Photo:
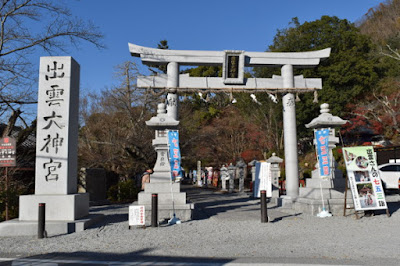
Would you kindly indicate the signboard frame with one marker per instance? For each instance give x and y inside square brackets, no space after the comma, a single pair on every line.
[263,179]
[8,152]
[364,180]
[137,214]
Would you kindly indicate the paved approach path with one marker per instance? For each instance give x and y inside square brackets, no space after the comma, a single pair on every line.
[210,202]
[226,230]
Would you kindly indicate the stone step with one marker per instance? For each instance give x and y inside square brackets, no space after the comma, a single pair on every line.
[162,187]
[145,198]
[315,193]
[313,206]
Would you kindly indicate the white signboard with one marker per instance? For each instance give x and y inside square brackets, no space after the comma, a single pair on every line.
[364,179]
[136,215]
[263,180]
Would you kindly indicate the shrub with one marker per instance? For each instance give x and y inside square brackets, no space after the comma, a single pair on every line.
[123,191]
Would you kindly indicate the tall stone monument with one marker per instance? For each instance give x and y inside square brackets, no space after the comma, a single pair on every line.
[233,63]
[56,153]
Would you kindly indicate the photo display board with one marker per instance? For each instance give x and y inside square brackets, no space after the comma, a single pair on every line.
[365,182]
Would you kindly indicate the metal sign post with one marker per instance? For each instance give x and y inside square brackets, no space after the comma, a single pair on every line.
[7,159]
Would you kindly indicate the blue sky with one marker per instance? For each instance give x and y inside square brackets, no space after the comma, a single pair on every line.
[191,25]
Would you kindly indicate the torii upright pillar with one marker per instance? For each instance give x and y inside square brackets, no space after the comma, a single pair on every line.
[290,134]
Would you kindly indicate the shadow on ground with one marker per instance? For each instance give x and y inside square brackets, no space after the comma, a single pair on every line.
[100,258]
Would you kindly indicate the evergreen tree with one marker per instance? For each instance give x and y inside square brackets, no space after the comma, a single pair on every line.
[347,75]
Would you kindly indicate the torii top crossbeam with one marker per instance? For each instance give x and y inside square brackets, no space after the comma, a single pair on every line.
[152,56]
[233,63]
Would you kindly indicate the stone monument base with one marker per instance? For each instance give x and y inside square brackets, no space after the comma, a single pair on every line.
[166,206]
[17,227]
[58,207]
[64,214]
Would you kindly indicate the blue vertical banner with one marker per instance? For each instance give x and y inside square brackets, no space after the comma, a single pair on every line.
[322,137]
[174,153]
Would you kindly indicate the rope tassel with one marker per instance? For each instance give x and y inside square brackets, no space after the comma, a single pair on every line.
[315,97]
[298,98]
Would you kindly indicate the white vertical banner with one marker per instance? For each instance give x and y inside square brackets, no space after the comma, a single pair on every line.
[263,179]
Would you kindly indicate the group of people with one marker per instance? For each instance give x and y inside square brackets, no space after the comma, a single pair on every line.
[209,177]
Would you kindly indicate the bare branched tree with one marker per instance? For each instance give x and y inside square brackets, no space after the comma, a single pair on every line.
[28,25]
[382,24]
[114,135]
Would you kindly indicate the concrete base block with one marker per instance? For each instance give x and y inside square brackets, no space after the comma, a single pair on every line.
[167,201]
[287,202]
[310,201]
[314,206]
[17,227]
[328,193]
[58,207]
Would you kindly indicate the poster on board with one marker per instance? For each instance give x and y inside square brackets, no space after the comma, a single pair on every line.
[136,215]
[365,182]
[263,179]
[8,152]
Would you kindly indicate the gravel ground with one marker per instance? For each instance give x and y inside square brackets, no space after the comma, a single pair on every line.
[226,229]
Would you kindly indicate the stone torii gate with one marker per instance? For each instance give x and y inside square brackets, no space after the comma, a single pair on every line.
[232,80]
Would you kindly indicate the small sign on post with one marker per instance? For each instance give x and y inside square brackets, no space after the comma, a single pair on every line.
[8,158]
[263,179]
[8,152]
[136,216]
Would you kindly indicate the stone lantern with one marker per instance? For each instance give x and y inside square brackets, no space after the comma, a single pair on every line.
[170,200]
[241,173]
[224,177]
[276,173]
[327,121]
[253,169]
[329,189]
[161,123]
[231,171]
